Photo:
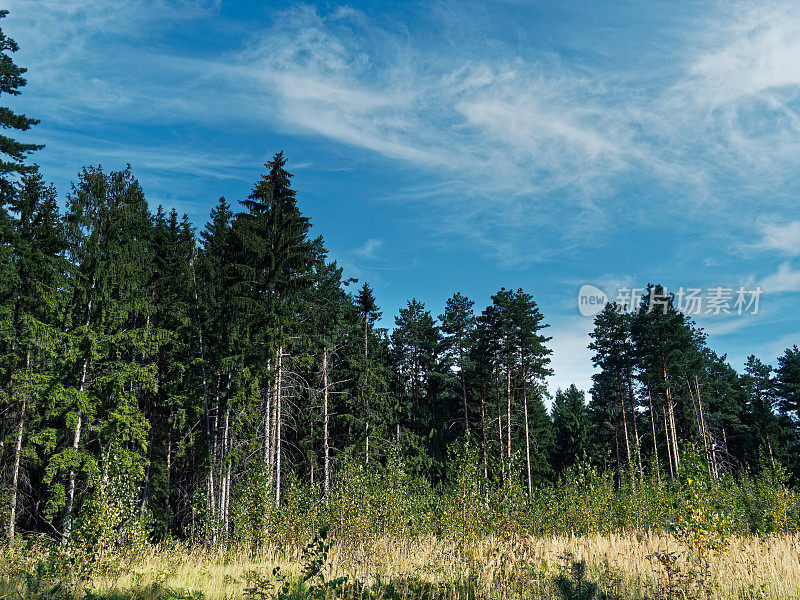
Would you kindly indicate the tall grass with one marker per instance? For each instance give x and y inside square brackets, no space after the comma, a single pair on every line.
[590,534]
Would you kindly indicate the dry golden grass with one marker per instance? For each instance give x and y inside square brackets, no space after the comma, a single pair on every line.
[623,564]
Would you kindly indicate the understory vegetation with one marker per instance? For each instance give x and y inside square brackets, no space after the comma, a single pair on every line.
[386,533]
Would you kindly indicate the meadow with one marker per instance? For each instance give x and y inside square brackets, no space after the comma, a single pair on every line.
[387,534]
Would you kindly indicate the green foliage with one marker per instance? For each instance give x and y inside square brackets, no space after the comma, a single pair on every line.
[575,586]
[110,518]
[252,511]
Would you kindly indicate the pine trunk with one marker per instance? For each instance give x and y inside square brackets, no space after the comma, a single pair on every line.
[655,440]
[527,437]
[463,386]
[500,422]
[624,420]
[76,440]
[325,441]
[483,436]
[632,402]
[278,426]
[669,442]
[508,406]
[12,520]
[366,387]
[671,414]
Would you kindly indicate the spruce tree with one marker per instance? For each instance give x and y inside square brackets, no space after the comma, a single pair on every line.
[415,345]
[112,338]
[14,153]
[369,313]
[32,342]
[787,381]
[273,268]
[458,325]
[570,428]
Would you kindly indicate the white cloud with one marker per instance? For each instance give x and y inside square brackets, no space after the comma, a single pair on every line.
[785,279]
[735,109]
[505,141]
[369,251]
[783,237]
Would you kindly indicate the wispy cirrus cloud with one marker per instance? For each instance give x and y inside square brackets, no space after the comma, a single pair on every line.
[785,279]
[783,237]
[511,139]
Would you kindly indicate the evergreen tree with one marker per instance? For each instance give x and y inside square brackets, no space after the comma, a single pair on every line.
[458,325]
[369,313]
[765,436]
[570,428]
[32,342]
[213,280]
[787,390]
[175,406]
[273,268]
[532,358]
[668,350]
[416,348]
[613,355]
[718,393]
[787,381]
[14,152]
[113,340]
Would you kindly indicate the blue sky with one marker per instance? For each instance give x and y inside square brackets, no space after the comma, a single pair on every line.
[459,146]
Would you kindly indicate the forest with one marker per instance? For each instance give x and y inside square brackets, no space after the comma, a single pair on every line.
[223,390]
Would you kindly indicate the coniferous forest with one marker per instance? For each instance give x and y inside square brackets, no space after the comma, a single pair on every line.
[224,389]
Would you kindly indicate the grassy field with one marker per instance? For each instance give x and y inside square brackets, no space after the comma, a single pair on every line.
[384,535]
[626,566]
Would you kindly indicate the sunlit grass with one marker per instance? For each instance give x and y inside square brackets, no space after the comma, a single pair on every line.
[624,565]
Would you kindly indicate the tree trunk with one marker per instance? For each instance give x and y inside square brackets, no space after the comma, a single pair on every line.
[500,422]
[225,475]
[12,520]
[483,434]
[669,442]
[215,492]
[671,412]
[267,413]
[414,400]
[527,434]
[325,441]
[146,484]
[169,467]
[655,441]
[206,413]
[769,448]
[701,426]
[508,406]
[632,402]
[706,434]
[76,440]
[279,402]
[366,387]
[276,385]
[463,386]
[624,420]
